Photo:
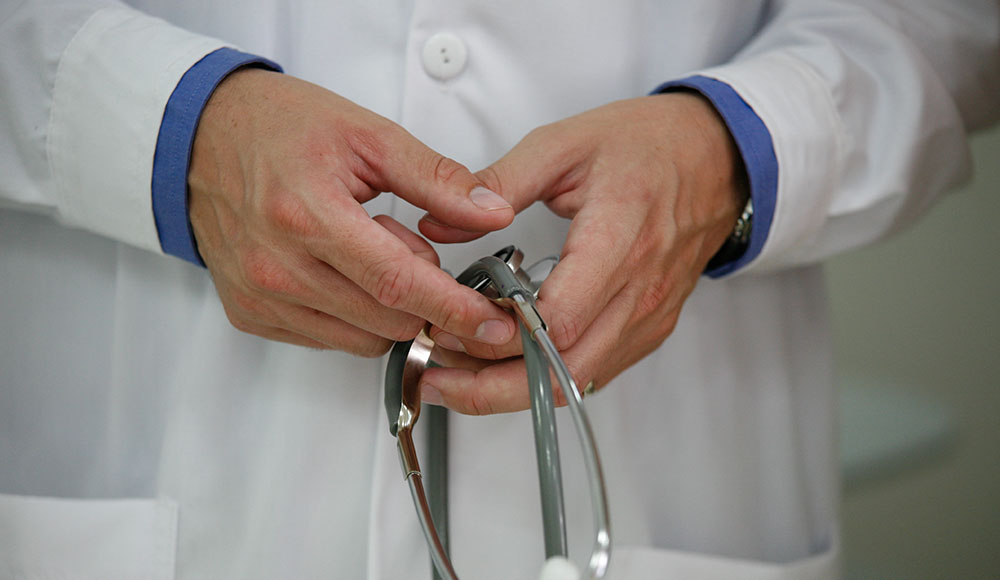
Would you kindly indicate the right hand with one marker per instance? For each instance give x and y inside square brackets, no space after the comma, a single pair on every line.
[279,170]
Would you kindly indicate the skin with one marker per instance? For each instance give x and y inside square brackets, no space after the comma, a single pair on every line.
[653,187]
[279,170]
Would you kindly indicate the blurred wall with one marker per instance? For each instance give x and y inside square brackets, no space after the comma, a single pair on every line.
[922,310]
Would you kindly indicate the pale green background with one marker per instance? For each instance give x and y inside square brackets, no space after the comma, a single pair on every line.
[921,311]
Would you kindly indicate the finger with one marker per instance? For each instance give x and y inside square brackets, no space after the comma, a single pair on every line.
[592,269]
[274,277]
[447,341]
[499,388]
[588,275]
[247,322]
[458,360]
[415,243]
[543,165]
[314,284]
[385,267]
[281,335]
[333,332]
[502,387]
[445,234]
[263,316]
[607,348]
[641,341]
[445,188]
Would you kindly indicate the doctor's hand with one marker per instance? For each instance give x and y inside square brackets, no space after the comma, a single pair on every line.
[279,171]
[653,186]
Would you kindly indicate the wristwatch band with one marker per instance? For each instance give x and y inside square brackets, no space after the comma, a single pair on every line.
[737,242]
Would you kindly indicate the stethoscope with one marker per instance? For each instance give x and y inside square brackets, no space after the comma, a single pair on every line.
[500,278]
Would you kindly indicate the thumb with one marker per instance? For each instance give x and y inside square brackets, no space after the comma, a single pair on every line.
[541,166]
[537,169]
[449,192]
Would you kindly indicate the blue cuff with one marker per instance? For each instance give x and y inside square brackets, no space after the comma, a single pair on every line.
[175,141]
[757,148]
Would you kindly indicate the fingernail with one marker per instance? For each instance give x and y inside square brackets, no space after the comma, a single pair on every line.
[487,200]
[493,332]
[449,342]
[430,395]
[430,219]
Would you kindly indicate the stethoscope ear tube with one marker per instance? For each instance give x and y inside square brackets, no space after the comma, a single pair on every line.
[501,278]
[546,449]
[600,555]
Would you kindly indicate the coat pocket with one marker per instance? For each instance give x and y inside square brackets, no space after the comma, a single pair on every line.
[643,563]
[87,539]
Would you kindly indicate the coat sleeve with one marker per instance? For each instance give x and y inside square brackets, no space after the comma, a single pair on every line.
[869,105]
[83,86]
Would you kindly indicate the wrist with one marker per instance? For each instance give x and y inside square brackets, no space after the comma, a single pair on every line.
[757,159]
[711,163]
[175,142]
[227,113]
[737,241]
[738,205]
[721,164]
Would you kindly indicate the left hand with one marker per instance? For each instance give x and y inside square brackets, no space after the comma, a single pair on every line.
[653,186]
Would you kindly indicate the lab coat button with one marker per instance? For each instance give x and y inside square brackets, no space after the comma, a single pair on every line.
[444,56]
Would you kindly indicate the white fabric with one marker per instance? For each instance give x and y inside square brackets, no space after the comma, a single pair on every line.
[120,376]
[120,539]
[107,97]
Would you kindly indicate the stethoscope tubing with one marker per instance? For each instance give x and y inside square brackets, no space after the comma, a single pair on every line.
[540,354]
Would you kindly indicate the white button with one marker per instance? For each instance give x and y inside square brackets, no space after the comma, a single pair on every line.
[444,56]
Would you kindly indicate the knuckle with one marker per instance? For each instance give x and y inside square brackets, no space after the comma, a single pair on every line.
[238,321]
[263,273]
[666,327]
[373,348]
[454,316]
[554,136]
[491,352]
[248,306]
[479,403]
[368,140]
[653,296]
[389,281]
[406,329]
[288,213]
[445,169]
[491,179]
[564,330]
[558,397]
[365,139]
[651,246]
[542,132]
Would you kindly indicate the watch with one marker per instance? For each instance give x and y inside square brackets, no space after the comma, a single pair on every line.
[737,242]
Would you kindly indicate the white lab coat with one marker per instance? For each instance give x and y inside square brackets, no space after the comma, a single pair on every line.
[143,437]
